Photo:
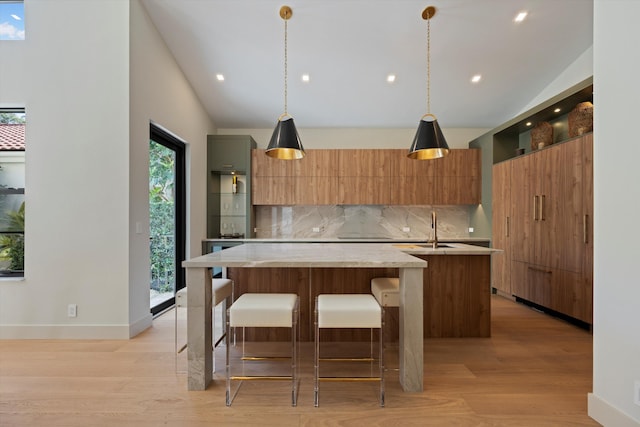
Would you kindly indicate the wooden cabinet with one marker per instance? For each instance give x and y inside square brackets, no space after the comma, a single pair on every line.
[459,178]
[500,223]
[457,296]
[451,180]
[363,176]
[549,227]
[366,177]
[311,180]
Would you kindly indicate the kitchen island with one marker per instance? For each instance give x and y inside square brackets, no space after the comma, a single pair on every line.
[308,256]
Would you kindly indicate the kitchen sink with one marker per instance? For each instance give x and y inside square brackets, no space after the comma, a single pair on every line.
[430,245]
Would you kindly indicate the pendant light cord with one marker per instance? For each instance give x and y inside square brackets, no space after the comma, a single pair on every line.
[428,64]
[285,67]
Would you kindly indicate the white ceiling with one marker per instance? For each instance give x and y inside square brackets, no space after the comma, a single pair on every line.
[349,46]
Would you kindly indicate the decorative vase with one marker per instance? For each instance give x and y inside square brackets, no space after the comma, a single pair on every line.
[581,119]
[541,135]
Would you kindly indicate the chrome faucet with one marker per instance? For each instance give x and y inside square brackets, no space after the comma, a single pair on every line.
[434,227]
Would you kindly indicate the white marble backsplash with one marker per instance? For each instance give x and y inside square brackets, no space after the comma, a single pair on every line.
[360,221]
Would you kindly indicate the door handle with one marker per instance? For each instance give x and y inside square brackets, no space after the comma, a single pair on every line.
[585,228]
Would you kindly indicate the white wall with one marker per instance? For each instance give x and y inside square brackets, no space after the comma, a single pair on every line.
[579,70]
[86,164]
[616,333]
[76,211]
[160,93]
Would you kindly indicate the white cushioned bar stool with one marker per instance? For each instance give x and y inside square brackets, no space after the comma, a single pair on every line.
[386,290]
[264,310]
[221,291]
[348,311]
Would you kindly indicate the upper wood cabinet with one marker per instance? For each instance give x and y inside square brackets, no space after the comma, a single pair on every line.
[452,180]
[362,176]
[311,180]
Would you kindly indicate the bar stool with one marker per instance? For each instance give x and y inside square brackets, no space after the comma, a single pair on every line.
[348,311]
[221,290]
[272,310]
[386,291]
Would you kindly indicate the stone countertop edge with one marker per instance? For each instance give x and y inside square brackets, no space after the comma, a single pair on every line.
[328,255]
[348,240]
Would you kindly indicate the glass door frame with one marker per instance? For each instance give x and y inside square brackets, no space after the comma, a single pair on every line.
[166,139]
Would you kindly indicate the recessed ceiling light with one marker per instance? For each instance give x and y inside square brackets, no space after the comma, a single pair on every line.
[557,110]
[220,77]
[528,123]
[476,78]
[520,16]
[306,78]
[391,78]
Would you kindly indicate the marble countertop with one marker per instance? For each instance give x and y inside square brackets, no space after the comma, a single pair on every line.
[348,240]
[308,255]
[394,255]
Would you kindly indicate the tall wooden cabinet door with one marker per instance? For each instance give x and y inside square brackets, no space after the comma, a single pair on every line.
[522,221]
[500,225]
[550,206]
[569,232]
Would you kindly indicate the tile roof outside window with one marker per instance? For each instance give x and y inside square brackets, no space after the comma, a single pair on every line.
[12,137]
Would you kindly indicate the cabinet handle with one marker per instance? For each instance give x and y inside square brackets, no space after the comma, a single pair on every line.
[539,269]
[542,198]
[585,228]
[507,227]
[535,208]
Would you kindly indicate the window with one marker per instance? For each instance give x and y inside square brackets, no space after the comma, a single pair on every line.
[11,20]
[12,207]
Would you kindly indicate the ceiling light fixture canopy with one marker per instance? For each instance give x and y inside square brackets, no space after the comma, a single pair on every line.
[285,142]
[429,142]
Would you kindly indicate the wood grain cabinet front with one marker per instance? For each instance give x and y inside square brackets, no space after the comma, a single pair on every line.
[367,177]
[550,227]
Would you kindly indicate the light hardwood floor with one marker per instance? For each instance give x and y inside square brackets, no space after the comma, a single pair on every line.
[533,371]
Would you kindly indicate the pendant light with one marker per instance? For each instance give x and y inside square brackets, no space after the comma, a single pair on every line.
[285,142]
[429,142]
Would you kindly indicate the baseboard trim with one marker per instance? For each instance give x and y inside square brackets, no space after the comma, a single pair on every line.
[141,325]
[70,332]
[607,415]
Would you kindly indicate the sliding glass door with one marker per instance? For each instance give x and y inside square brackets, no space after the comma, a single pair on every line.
[167,209]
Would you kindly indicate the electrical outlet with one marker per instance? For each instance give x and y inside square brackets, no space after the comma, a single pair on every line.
[406,229]
[72,310]
[636,393]
[316,229]
[470,229]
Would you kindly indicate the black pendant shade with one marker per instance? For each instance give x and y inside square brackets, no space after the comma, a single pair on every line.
[285,143]
[429,142]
